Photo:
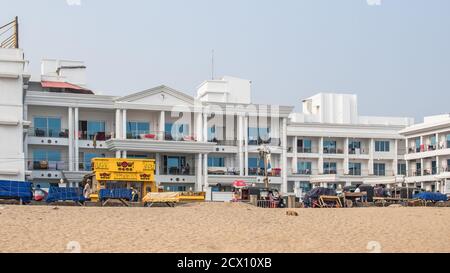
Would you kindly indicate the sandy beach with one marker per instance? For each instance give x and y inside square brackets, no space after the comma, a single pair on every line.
[223,227]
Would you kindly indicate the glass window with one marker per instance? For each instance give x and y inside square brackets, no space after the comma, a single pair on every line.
[176,165]
[448,141]
[329,146]
[176,131]
[88,160]
[379,169]
[257,135]
[354,146]
[354,168]
[382,146]
[433,140]
[329,168]
[212,133]
[135,129]
[253,136]
[94,127]
[304,167]
[304,145]
[175,188]
[47,126]
[216,161]
[52,158]
[401,168]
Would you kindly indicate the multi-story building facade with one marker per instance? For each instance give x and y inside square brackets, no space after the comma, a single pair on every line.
[427,147]
[208,141]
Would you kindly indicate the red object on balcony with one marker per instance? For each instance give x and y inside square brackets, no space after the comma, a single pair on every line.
[276,171]
[151,136]
[422,147]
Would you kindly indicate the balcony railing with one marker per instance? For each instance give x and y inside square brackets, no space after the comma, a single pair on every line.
[332,151]
[270,142]
[44,165]
[225,142]
[223,171]
[428,148]
[352,151]
[260,172]
[37,132]
[178,171]
[304,150]
[99,136]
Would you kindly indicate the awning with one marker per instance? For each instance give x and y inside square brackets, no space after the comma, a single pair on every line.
[65,85]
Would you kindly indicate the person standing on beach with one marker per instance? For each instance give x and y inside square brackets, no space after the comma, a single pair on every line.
[87,191]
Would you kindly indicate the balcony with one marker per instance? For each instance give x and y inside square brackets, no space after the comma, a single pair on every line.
[305,150]
[44,165]
[37,132]
[333,151]
[276,172]
[270,142]
[98,136]
[223,171]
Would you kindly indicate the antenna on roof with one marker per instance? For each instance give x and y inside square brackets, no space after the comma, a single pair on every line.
[212,64]
[11,34]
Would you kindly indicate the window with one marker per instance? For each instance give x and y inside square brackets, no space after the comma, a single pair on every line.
[216,161]
[329,146]
[304,167]
[135,129]
[305,186]
[418,168]
[136,156]
[448,141]
[88,160]
[176,165]
[212,133]
[354,147]
[354,168]
[90,129]
[176,131]
[448,165]
[47,160]
[382,146]
[433,140]
[175,188]
[401,168]
[329,168]
[379,169]
[417,145]
[253,164]
[47,127]
[258,135]
[304,146]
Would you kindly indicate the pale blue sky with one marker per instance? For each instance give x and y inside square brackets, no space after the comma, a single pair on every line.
[395,56]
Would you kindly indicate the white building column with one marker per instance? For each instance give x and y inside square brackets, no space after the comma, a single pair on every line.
[76,136]
[205,127]
[421,166]
[320,162]
[124,123]
[295,157]
[395,162]
[199,173]
[199,126]
[284,156]
[124,154]
[162,125]
[346,157]
[118,154]
[158,163]
[118,125]
[71,137]
[371,156]
[205,172]
[241,150]
[246,145]
[407,152]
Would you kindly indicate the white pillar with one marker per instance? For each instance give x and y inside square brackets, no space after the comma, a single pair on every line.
[71,137]
[162,125]
[371,156]
[346,156]
[205,127]
[241,150]
[320,155]
[407,152]
[284,156]
[158,163]
[124,123]
[199,126]
[76,136]
[118,125]
[124,154]
[245,131]
[118,154]
[205,172]
[198,173]
[295,152]
[395,162]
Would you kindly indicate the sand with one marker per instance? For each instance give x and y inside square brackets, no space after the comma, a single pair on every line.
[223,227]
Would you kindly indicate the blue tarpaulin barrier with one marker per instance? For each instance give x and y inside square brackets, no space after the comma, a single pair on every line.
[65,194]
[16,190]
[115,194]
[431,196]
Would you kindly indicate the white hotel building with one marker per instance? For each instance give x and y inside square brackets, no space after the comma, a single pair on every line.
[58,125]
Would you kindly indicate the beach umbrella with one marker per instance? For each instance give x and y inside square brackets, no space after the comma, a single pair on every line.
[239,184]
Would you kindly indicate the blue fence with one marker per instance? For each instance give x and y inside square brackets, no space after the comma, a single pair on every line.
[65,194]
[115,194]
[16,190]
[431,196]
